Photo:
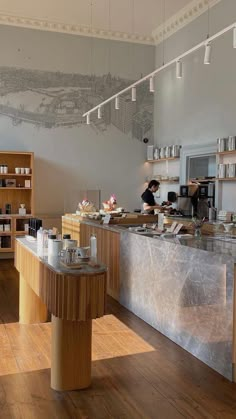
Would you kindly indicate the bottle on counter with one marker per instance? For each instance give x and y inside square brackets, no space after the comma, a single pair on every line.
[40,241]
[65,238]
[93,246]
[51,237]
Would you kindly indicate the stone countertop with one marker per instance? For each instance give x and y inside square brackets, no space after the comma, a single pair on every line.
[55,263]
[221,244]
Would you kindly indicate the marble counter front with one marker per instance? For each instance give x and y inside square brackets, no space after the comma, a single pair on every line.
[184,291]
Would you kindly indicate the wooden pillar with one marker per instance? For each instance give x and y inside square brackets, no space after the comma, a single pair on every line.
[71,354]
[31,307]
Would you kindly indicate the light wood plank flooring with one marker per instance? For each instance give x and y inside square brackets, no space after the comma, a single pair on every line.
[137,372]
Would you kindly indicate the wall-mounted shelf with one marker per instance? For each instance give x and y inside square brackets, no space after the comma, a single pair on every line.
[226,178]
[223,153]
[162,160]
[203,180]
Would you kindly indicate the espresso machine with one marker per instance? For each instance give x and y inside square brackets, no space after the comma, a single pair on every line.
[206,201]
[187,200]
[197,200]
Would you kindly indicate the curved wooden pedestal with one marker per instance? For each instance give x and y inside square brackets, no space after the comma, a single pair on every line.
[31,307]
[74,299]
[71,354]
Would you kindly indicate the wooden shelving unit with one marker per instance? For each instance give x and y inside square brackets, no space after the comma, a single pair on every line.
[16,195]
[162,160]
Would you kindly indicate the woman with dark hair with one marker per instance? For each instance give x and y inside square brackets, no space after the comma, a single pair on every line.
[149,203]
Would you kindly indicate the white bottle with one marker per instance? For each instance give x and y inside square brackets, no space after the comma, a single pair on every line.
[40,241]
[93,246]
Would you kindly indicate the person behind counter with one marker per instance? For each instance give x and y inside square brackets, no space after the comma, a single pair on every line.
[149,204]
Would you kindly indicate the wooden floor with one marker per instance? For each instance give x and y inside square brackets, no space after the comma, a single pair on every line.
[137,372]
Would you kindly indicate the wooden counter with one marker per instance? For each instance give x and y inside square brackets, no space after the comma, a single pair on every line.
[74,298]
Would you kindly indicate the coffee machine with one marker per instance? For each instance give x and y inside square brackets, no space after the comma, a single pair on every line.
[187,201]
[206,200]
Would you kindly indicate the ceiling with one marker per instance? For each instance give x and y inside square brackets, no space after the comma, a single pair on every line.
[128,20]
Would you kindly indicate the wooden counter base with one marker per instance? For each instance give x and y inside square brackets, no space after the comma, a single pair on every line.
[31,307]
[71,354]
[74,299]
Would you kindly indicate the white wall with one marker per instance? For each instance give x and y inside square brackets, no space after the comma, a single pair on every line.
[81,157]
[200,107]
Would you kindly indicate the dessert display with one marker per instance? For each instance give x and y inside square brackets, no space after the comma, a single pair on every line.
[86,206]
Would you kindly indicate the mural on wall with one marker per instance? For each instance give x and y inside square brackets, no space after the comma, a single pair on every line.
[54,99]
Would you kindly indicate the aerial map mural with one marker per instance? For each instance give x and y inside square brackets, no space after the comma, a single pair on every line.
[53,99]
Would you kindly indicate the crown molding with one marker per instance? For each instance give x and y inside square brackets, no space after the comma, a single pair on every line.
[73,29]
[186,15]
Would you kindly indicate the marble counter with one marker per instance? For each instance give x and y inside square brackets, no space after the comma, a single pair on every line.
[185,291]
[55,264]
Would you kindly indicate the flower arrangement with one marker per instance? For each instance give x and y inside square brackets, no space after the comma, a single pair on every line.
[197,224]
[110,205]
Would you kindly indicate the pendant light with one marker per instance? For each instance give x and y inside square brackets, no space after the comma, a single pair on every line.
[208,49]
[133,94]
[207,56]
[151,85]
[179,69]
[234,37]
[117,102]
[99,112]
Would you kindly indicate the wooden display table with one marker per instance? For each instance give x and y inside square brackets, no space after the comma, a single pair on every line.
[74,297]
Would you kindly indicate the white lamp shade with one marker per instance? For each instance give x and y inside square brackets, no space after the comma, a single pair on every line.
[151,84]
[117,102]
[234,39]
[99,112]
[133,94]
[179,69]
[207,57]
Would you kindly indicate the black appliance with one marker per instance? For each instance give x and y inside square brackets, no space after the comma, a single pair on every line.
[34,226]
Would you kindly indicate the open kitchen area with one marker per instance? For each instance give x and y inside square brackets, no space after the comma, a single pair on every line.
[118,209]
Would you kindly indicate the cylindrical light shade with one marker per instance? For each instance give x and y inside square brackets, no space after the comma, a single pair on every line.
[88,119]
[133,94]
[99,112]
[207,57]
[117,102]
[234,39]
[151,84]
[179,69]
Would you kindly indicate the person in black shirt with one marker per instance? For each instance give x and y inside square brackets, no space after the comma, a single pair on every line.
[149,203]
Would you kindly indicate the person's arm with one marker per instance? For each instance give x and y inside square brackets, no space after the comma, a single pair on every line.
[148,207]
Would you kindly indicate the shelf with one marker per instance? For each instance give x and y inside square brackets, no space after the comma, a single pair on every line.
[163,181]
[5,233]
[226,178]
[6,249]
[20,189]
[162,160]
[222,153]
[14,174]
[203,180]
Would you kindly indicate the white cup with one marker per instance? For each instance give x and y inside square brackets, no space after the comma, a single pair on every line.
[22,170]
[17,170]
[27,170]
